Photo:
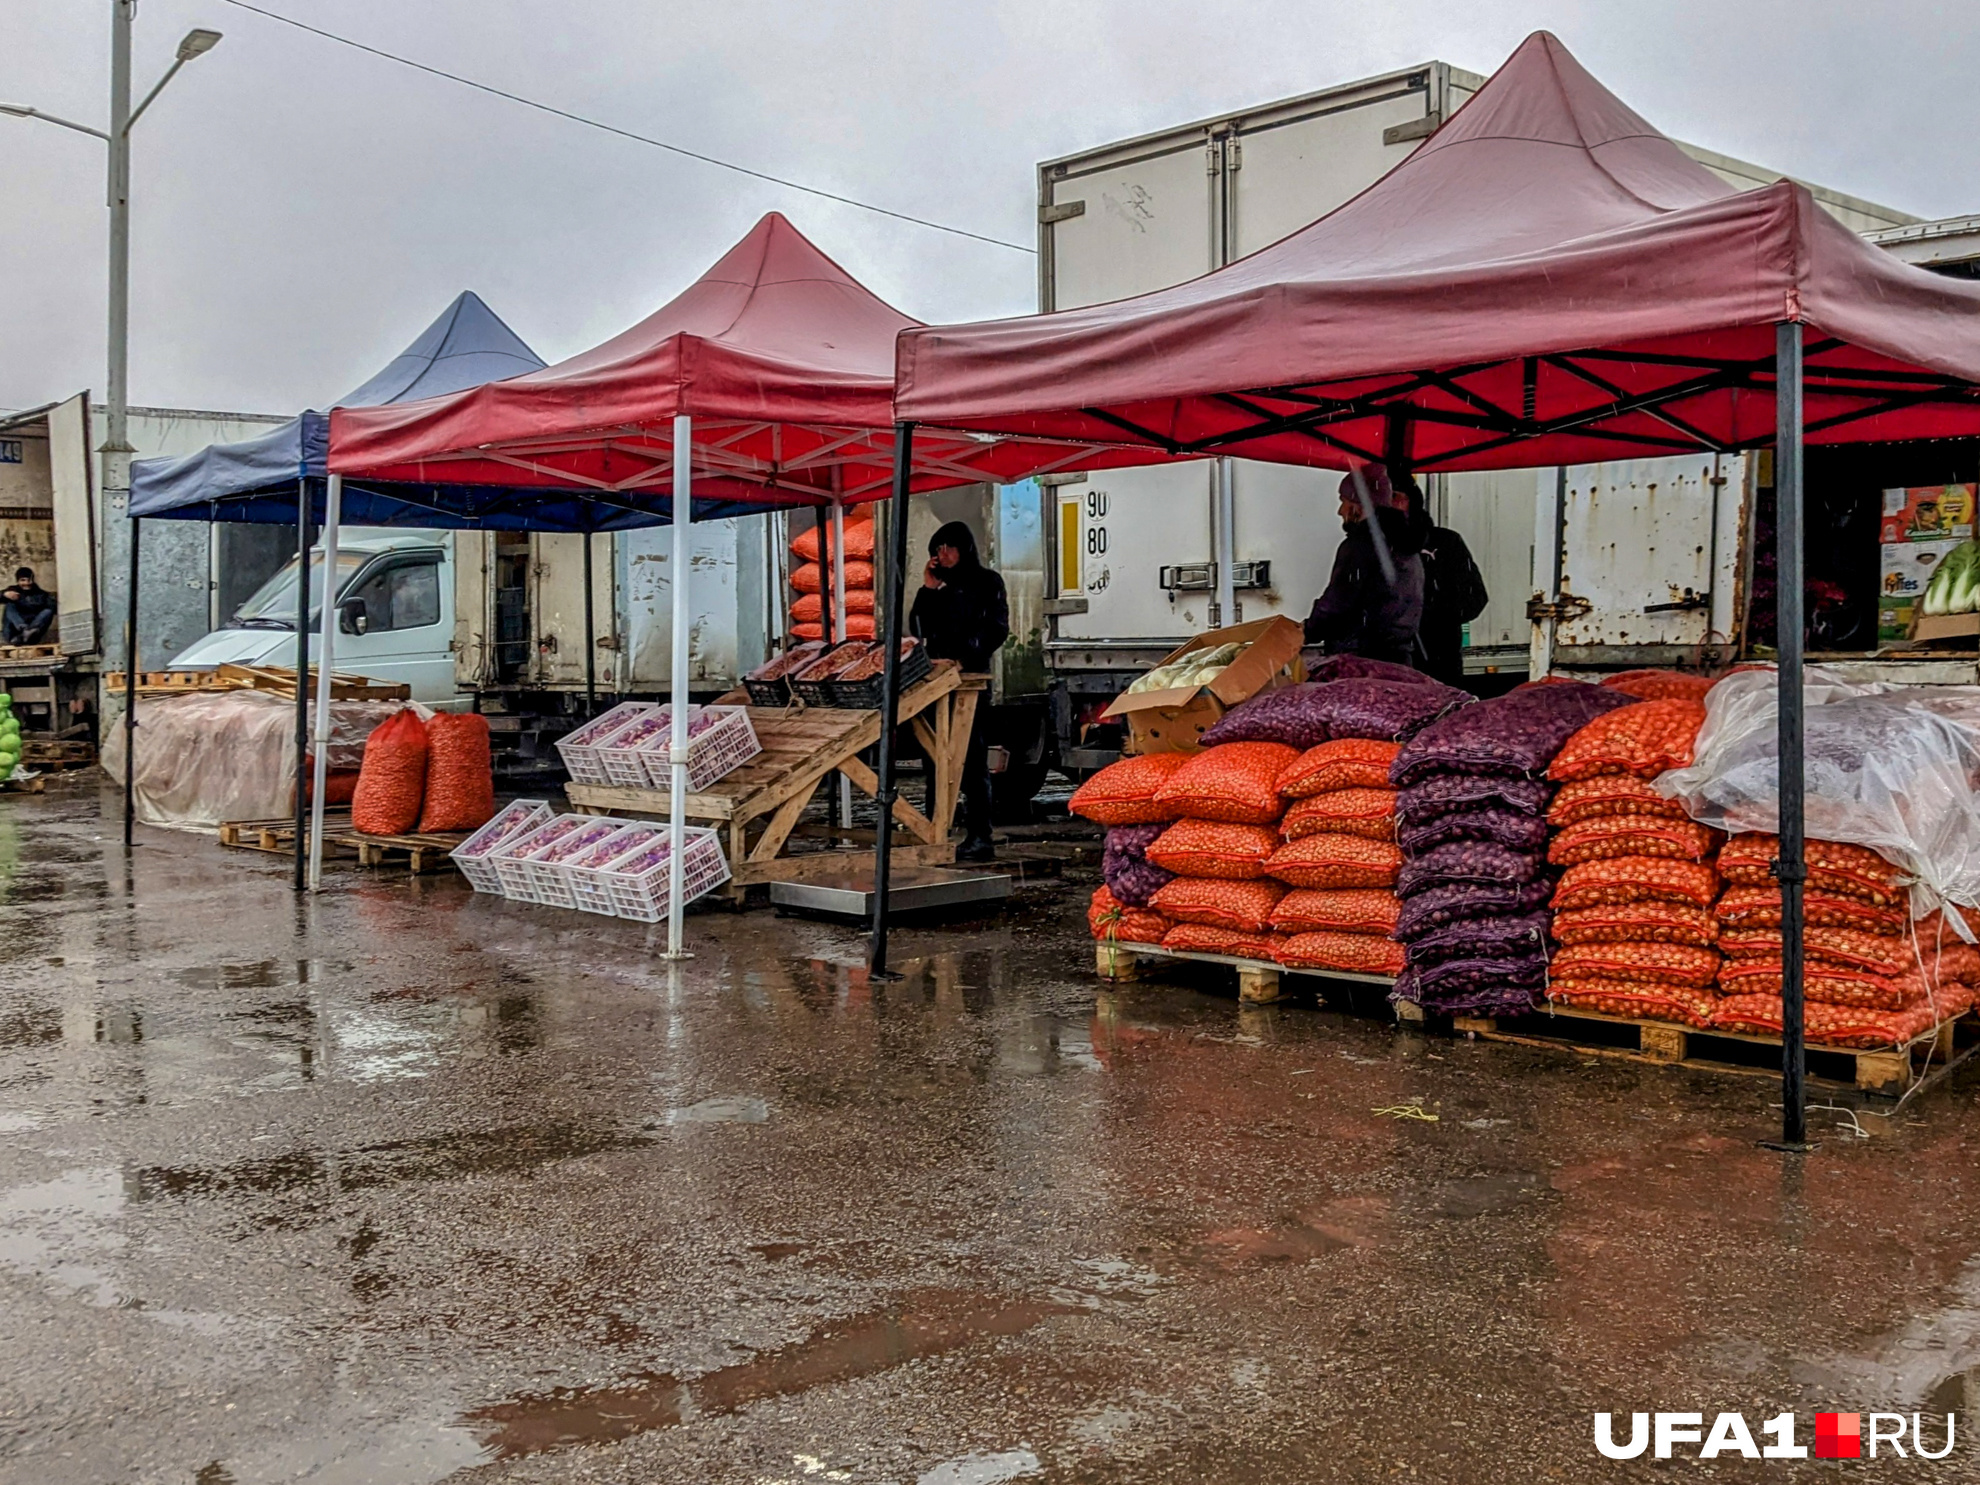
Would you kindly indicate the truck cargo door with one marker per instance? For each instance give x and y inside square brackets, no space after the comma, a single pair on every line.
[75,525]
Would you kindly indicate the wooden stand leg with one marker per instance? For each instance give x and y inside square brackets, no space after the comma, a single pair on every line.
[1258,986]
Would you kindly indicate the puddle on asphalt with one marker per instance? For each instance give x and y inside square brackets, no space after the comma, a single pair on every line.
[517,1150]
[926,1323]
[1487,1196]
[982,1469]
[726,1109]
[32,1026]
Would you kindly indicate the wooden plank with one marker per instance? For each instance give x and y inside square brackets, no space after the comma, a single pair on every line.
[923,828]
[1662,1043]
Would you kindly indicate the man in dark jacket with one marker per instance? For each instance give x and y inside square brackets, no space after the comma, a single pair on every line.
[962,614]
[1453,594]
[1365,611]
[29,612]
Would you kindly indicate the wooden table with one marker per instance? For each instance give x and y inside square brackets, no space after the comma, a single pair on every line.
[759,805]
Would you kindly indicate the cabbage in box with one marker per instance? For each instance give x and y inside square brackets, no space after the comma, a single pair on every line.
[1922,526]
[1264,654]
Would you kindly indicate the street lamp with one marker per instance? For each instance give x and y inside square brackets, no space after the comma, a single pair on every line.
[117,448]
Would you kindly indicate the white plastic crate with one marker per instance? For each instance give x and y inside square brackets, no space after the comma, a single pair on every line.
[621,752]
[591,890]
[511,865]
[639,880]
[579,749]
[715,752]
[472,855]
[548,866]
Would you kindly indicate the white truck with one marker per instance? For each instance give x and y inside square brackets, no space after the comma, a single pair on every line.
[1121,590]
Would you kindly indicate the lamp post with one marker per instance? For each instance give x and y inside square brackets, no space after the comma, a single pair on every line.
[116,448]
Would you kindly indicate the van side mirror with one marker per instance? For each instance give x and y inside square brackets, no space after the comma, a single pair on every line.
[353,618]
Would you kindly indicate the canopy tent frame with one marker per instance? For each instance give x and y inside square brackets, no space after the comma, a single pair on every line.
[1546,281]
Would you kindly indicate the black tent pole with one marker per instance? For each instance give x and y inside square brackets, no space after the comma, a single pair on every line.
[890,694]
[590,630]
[302,679]
[1791,866]
[131,691]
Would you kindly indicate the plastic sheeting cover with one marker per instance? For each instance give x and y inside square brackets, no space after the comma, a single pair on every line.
[1890,768]
[228,755]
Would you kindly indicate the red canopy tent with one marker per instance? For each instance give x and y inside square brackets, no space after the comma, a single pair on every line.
[775,367]
[1547,280]
[784,361]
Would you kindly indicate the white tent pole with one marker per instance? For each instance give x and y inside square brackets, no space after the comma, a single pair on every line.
[839,611]
[677,694]
[333,502]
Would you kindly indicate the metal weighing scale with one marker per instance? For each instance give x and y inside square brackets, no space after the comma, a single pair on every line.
[910,889]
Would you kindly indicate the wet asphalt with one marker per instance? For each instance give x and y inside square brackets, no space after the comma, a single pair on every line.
[406,1184]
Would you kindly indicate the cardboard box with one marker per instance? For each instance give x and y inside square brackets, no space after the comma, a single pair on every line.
[1920,525]
[1171,721]
[1944,626]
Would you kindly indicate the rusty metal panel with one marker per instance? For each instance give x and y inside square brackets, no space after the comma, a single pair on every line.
[1651,546]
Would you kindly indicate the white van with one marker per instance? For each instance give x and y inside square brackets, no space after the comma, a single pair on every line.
[395,602]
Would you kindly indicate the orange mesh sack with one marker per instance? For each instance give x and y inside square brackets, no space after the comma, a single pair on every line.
[1638,923]
[1200,938]
[1843,1026]
[392,783]
[1832,984]
[1609,794]
[1236,783]
[1660,685]
[1873,953]
[1208,848]
[1760,907]
[1630,835]
[1308,910]
[1238,907]
[811,578]
[1370,813]
[859,537]
[1635,879]
[1334,862]
[810,607]
[1356,953]
[1637,1000]
[1854,871]
[1111,920]
[1125,793]
[1345,763]
[1644,739]
[1662,964]
[858,626]
[460,773]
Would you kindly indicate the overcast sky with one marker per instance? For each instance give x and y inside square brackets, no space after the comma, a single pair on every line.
[302,210]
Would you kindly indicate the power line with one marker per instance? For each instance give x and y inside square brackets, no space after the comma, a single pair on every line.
[578,118]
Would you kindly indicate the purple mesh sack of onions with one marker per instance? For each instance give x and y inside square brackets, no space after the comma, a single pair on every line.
[1491,987]
[1435,907]
[1287,715]
[1468,861]
[1384,710]
[1466,791]
[1517,734]
[1321,667]
[1513,831]
[1521,937]
[1125,867]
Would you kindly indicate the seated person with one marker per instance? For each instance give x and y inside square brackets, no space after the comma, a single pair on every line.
[29,612]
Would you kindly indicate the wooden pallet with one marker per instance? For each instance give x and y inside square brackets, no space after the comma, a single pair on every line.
[1259,981]
[1888,1072]
[274,679]
[278,837]
[56,755]
[31,654]
[426,853]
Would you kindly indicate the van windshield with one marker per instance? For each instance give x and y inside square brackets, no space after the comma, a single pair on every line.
[273,605]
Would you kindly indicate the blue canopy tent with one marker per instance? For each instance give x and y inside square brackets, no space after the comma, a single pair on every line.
[281,477]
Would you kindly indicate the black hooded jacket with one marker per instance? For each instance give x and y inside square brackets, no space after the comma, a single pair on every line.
[968,617]
[1361,613]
